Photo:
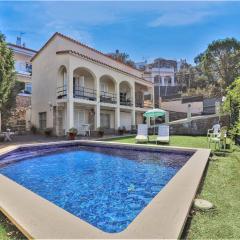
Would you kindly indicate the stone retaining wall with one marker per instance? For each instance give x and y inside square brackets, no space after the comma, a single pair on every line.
[197,126]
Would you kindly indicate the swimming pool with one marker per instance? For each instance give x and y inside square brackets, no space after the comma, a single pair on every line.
[105,186]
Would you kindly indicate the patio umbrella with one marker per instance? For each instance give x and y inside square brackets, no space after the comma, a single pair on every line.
[154,113]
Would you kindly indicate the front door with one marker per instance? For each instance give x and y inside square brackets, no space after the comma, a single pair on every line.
[105,120]
[79,118]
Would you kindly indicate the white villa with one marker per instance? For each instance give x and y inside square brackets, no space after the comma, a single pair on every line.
[73,84]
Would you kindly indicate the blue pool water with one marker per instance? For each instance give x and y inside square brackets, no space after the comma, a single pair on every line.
[106,187]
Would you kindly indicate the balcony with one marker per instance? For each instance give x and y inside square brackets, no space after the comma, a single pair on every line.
[85,93]
[107,97]
[62,92]
[23,68]
[126,101]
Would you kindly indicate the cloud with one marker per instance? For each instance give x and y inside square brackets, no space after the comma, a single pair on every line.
[179,15]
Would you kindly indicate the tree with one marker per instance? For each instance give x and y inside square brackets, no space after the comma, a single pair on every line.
[122,57]
[7,72]
[232,102]
[193,80]
[220,62]
[8,91]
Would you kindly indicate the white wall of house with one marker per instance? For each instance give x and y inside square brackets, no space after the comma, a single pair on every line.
[45,80]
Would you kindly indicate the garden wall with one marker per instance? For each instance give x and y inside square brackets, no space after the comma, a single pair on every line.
[198,126]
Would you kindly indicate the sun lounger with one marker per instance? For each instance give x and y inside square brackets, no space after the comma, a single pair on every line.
[163,134]
[142,133]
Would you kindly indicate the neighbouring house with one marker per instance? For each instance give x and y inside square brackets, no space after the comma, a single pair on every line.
[22,56]
[162,74]
[73,84]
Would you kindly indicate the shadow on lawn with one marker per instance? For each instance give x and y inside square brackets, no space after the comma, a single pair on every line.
[11,231]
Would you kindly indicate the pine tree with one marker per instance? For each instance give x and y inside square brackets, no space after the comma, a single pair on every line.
[7,73]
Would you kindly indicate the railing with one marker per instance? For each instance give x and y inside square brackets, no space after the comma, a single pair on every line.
[62,92]
[84,93]
[126,101]
[107,97]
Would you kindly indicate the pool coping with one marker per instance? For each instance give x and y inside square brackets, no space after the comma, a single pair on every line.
[38,218]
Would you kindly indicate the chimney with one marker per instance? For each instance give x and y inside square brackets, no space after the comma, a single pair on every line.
[24,44]
[19,41]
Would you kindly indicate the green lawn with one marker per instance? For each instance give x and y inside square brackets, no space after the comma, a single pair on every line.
[8,231]
[221,186]
[180,141]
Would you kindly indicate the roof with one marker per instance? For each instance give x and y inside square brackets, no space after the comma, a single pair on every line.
[81,44]
[97,61]
[21,47]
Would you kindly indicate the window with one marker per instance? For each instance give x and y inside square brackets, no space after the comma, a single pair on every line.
[147,96]
[63,77]
[29,67]
[105,120]
[42,120]
[78,82]
[28,88]
[104,87]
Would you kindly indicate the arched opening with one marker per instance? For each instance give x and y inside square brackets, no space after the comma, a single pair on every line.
[84,82]
[125,93]
[62,82]
[108,89]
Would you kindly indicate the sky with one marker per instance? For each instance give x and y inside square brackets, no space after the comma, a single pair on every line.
[145,30]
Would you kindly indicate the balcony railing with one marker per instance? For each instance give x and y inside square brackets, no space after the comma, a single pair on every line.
[62,92]
[107,97]
[126,101]
[84,93]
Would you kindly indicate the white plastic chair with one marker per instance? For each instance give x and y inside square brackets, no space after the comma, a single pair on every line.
[163,134]
[84,129]
[214,131]
[142,133]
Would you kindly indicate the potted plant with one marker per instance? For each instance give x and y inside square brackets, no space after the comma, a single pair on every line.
[48,132]
[72,133]
[33,129]
[100,132]
[121,130]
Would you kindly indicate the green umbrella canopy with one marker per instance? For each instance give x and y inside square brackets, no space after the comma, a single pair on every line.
[156,112]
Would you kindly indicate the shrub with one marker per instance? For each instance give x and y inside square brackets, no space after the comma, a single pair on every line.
[121,130]
[48,132]
[33,129]
[72,133]
[100,131]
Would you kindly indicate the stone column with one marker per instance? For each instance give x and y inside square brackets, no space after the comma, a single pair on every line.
[133,113]
[97,107]
[70,103]
[133,118]
[117,109]
[153,97]
[189,112]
